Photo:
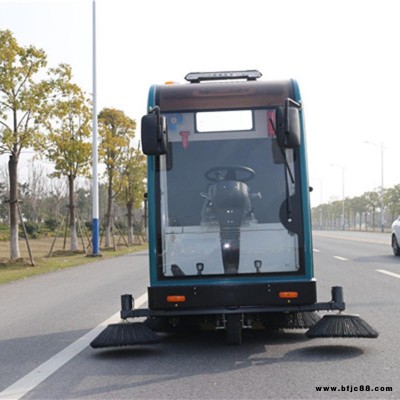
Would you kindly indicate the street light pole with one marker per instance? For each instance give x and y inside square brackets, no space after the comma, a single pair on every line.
[95,183]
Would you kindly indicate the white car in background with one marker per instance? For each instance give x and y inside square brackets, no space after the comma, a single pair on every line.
[396,237]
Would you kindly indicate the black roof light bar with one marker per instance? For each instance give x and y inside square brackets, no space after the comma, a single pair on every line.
[197,77]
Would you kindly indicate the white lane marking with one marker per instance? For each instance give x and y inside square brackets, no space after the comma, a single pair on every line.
[317,251]
[43,371]
[341,258]
[384,239]
[382,271]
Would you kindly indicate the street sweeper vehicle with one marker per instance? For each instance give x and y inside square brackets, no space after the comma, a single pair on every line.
[230,244]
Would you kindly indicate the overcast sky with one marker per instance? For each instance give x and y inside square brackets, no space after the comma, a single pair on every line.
[343,53]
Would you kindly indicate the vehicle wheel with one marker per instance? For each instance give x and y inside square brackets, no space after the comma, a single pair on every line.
[395,246]
[234,329]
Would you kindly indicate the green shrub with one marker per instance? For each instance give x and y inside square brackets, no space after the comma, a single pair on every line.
[32,229]
[52,224]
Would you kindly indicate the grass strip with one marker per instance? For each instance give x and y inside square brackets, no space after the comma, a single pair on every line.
[21,269]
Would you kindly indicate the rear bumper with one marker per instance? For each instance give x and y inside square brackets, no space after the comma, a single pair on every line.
[232,299]
[232,296]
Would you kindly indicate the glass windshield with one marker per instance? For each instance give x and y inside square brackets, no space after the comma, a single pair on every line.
[223,194]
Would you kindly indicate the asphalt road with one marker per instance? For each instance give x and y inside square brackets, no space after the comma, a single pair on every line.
[46,323]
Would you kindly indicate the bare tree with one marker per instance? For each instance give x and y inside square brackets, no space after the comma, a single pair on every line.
[36,191]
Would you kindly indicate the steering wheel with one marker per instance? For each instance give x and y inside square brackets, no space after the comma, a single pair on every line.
[230,173]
